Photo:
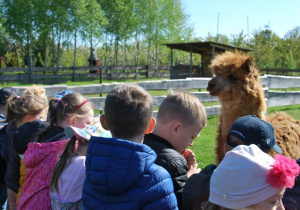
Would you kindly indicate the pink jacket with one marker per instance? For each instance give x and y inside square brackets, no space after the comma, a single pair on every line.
[40,159]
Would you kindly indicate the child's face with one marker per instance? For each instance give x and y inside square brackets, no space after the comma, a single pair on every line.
[185,136]
[83,121]
[272,203]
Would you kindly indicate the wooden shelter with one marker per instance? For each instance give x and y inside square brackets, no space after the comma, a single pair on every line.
[207,50]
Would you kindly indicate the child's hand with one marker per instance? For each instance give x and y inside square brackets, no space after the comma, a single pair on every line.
[190,157]
[193,169]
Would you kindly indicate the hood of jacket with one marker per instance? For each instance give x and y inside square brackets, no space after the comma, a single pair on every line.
[37,152]
[115,165]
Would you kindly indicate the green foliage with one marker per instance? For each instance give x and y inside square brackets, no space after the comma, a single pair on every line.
[123,32]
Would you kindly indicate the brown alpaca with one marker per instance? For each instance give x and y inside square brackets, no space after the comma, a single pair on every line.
[236,83]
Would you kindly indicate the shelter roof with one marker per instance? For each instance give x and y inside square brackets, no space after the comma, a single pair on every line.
[203,47]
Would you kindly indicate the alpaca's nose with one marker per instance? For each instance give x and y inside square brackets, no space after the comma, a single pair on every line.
[210,85]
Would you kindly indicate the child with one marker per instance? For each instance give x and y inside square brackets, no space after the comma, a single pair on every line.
[249,178]
[5,93]
[180,119]
[31,106]
[245,130]
[41,156]
[120,171]
[69,173]
[28,132]
[291,196]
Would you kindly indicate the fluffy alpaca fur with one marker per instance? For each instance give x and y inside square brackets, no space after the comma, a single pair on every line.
[236,83]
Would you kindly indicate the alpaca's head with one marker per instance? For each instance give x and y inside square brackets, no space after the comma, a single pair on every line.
[235,74]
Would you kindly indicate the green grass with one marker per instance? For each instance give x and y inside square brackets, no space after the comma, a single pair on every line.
[204,145]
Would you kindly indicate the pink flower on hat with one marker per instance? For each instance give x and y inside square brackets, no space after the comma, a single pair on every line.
[283,172]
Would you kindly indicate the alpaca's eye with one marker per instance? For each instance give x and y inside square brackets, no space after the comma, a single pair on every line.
[232,78]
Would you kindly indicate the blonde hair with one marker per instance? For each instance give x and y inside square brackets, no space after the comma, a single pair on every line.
[183,106]
[32,102]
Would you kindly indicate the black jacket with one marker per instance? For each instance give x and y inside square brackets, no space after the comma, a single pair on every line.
[12,174]
[171,160]
[291,197]
[2,154]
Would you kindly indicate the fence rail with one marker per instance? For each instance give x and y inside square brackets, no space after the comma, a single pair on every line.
[54,75]
[274,98]
[82,73]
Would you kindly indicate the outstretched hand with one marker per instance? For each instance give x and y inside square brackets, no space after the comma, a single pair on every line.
[190,157]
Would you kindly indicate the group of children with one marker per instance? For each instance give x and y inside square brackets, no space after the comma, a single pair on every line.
[128,160]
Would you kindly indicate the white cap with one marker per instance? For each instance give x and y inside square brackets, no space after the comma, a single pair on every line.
[239,181]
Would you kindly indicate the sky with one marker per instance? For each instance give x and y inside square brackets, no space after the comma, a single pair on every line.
[279,15]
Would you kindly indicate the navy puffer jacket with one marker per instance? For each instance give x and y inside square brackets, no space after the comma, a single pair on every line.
[121,174]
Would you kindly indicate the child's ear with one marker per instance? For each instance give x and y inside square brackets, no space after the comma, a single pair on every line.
[71,121]
[151,125]
[103,122]
[27,118]
[175,128]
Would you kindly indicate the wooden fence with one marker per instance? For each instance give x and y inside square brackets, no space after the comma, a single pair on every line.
[54,75]
[85,73]
[286,72]
[274,98]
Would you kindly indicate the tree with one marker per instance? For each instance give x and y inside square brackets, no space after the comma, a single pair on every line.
[239,40]
[21,23]
[292,39]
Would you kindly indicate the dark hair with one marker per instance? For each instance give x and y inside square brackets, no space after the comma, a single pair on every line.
[26,133]
[32,102]
[6,92]
[73,104]
[64,161]
[212,206]
[128,110]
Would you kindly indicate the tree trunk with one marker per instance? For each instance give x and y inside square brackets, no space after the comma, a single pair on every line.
[137,50]
[58,51]
[17,55]
[149,51]
[125,57]
[156,46]
[75,46]
[116,50]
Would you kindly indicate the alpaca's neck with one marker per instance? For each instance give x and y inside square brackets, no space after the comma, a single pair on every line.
[232,110]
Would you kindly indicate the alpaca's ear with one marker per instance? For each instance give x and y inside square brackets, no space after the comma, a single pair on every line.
[248,64]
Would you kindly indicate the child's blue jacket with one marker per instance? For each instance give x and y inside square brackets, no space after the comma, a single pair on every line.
[121,174]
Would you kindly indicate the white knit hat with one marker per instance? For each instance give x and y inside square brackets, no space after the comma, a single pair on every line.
[240,179]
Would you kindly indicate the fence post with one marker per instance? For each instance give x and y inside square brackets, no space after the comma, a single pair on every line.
[100,76]
[110,73]
[29,69]
[73,74]
[267,70]
[147,74]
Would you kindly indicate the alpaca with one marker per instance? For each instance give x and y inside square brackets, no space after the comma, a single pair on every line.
[236,83]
